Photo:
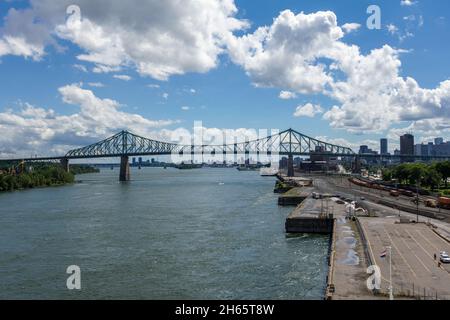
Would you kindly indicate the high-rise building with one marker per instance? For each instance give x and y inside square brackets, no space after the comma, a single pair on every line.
[383,146]
[421,150]
[363,150]
[366,150]
[438,141]
[442,149]
[407,147]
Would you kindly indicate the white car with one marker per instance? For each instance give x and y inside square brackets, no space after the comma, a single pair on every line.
[444,257]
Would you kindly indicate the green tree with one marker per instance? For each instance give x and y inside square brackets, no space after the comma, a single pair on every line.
[387,174]
[443,168]
[416,172]
[41,175]
[401,173]
[432,178]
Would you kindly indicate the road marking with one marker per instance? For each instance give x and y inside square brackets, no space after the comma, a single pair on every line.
[400,253]
[370,248]
[426,239]
[409,248]
[426,252]
[441,267]
[441,239]
[394,267]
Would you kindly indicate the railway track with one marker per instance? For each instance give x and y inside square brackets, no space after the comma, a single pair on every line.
[403,203]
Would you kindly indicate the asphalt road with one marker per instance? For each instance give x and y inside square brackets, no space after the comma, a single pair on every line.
[414,269]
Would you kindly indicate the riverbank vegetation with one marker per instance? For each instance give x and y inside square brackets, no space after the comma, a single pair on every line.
[82,169]
[39,175]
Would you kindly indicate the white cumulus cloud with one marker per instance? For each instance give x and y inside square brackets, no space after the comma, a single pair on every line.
[350,27]
[308,110]
[286,95]
[123,77]
[157,38]
[407,3]
[286,53]
[48,132]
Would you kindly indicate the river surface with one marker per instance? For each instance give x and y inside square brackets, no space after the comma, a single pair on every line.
[167,234]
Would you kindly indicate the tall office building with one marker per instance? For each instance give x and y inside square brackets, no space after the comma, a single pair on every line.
[442,149]
[438,141]
[383,146]
[421,150]
[363,150]
[407,147]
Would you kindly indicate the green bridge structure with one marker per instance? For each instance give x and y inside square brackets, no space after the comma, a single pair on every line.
[288,143]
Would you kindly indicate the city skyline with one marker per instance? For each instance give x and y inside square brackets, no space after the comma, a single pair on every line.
[437,147]
[90,77]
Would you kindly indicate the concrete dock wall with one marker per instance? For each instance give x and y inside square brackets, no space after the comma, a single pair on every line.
[331,260]
[290,200]
[309,225]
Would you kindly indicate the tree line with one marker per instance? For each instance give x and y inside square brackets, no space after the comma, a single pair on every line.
[41,175]
[424,175]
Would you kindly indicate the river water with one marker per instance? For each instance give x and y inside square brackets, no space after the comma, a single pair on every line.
[168,234]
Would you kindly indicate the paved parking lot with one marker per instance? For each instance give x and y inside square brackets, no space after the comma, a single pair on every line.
[414,270]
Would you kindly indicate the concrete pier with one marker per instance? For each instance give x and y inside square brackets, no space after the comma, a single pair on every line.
[290,172]
[294,196]
[310,217]
[124,169]
[65,164]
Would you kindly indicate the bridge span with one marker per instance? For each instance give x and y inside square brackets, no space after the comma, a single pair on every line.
[125,144]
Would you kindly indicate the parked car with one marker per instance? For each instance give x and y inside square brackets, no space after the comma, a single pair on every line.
[444,257]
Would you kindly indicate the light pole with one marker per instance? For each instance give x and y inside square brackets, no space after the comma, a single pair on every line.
[391,289]
[438,196]
[417,200]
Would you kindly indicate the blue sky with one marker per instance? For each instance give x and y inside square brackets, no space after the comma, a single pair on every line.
[223,95]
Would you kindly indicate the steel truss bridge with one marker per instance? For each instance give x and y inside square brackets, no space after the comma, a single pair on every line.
[284,143]
[126,144]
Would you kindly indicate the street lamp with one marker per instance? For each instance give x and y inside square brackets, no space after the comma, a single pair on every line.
[438,196]
[417,201]
[391,289]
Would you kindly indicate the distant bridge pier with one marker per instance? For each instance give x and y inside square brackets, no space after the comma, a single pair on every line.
[124,169]
[357,164]
[290,172]
[65,164]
